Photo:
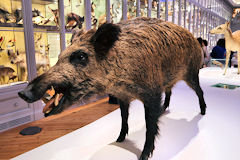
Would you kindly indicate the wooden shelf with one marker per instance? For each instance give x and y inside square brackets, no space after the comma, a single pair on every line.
[35,26]
[13,144]
[43,2]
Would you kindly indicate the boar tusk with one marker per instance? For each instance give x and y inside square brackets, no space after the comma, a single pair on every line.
[56,100]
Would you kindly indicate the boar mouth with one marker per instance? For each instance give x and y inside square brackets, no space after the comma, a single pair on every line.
[55,104]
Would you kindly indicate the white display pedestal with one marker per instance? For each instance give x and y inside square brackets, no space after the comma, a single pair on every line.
[184,133]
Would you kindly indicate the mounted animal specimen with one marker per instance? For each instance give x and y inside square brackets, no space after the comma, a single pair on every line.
[6,72]
[74,20]
[1,43]
[37,17]
[232,42]
[6,17]
[135,59]
[55,14]
[19,58]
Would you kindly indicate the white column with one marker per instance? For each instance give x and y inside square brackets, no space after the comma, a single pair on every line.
[166,10]
[62,24]
[197,23]
[108,16]
[179,13]
[194,21]
[173,16]
[149,8]
[185,13]
[190,17]
[124,9]
[87,4]
[29,39]
[138,12]
[158,9]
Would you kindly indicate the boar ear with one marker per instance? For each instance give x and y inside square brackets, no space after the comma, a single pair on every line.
[104,38]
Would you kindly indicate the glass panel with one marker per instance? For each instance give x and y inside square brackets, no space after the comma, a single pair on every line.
[13,67]
[116,10]
[176,11]
[154,8]
[182,12]
[74,14]
[46,36]
[162,10]
[98,12]
[132,9]
[188,10]
[170,10]
[143,8]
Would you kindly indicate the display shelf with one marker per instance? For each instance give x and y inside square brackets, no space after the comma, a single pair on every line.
[10,25]
[42,2]
[47,28]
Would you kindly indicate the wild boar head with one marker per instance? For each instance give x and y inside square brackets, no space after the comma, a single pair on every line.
[79,72]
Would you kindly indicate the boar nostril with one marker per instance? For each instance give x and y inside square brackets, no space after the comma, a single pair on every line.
[23,95]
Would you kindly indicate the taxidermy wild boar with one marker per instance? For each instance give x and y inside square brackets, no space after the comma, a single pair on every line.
[134,59]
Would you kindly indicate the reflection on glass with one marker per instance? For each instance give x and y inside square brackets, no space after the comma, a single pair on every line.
[13,67]
[98,12]
[143,8]
[46,38]
[162,10]
[170,10]
[116,10]
[176,8]
[154,8]
[131,9]
[74,14]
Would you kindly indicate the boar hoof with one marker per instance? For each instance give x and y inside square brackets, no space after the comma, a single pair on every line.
[203,112]
[121,138]
[143,157]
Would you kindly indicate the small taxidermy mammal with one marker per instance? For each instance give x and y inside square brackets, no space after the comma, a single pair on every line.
[1,43]
[36,14]
[20,59]
[6,71]
[5,16]
[74,20]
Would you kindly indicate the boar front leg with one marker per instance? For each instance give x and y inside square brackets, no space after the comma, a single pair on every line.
[124,106]
[153,110]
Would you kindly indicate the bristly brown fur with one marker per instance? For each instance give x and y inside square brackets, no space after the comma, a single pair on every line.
[141,62]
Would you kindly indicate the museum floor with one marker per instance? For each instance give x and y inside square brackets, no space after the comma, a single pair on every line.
[184,133]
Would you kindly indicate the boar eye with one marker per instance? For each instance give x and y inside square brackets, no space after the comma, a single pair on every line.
[79,57]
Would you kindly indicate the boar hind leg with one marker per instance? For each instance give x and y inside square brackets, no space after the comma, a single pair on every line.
[153,110]
[124,106]
[193,82]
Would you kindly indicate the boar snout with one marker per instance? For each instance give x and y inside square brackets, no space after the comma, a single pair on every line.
[27,96]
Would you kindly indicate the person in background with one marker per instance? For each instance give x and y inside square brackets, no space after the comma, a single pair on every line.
[200,40]
[219,51]
[205,53]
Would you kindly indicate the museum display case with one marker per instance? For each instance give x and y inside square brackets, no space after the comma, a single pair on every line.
[26,33]
[47,26]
